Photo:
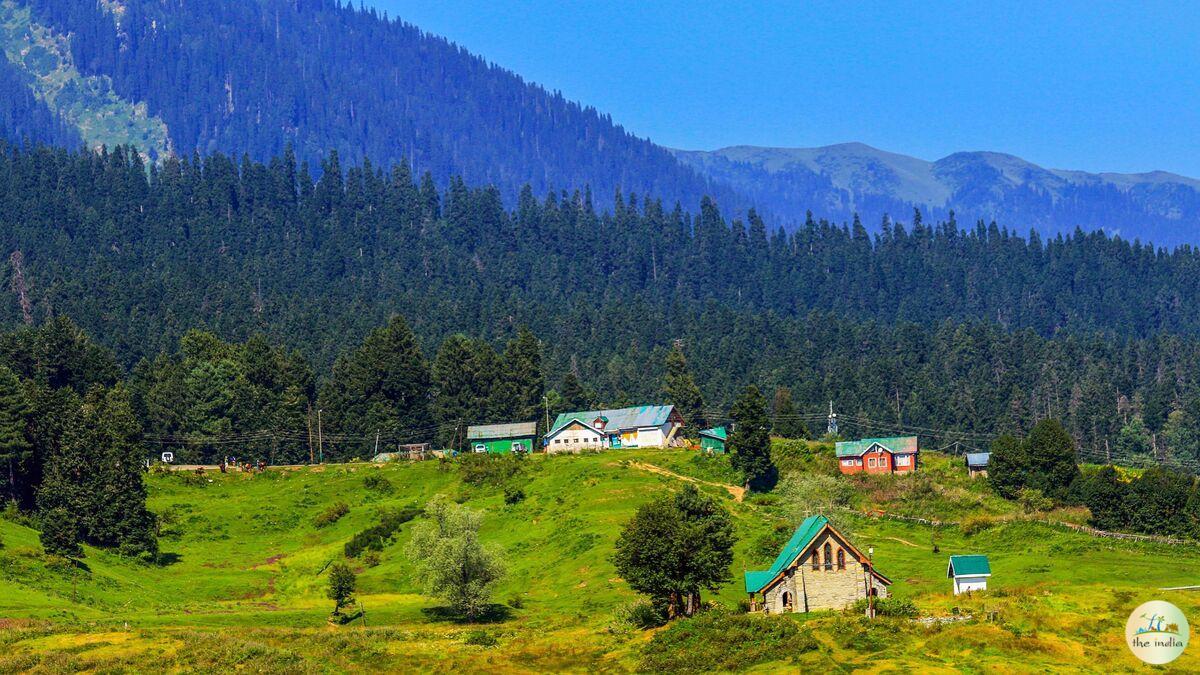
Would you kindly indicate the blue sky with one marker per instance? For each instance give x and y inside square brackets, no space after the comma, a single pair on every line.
[1099,86]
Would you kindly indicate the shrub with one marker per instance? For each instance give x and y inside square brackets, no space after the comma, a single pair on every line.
[897,607]
[376,483]
[516,602]
[513,495]
[976,524]
[804,492]
[331,515]
[482,468]
[371,558]
[1032,500]
[375,537]
[639,614]
[480,638]
[721,641]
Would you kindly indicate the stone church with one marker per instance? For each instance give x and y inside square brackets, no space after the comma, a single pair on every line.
[818,569]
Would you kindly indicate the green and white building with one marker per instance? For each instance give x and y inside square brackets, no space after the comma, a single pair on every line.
[499,439]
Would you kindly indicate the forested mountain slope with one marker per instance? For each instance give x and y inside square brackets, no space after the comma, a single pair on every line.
[837,181]
[255,77]
[975,330]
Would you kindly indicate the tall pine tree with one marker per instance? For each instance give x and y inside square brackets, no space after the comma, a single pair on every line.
[750,440]
[680,390]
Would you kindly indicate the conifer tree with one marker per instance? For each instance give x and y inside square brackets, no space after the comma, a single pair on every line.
[750,441]
[382,387]
[574,396]
[523,371]
[785,421]
[16,450]
[680,390]
[456,397]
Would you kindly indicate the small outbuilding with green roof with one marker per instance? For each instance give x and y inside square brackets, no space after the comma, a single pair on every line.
[969,572]
[713,440]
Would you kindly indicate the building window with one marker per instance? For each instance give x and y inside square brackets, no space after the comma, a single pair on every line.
[841,558]
[816,560]
[871,462]
[480,447]
[828,556]
[902,460]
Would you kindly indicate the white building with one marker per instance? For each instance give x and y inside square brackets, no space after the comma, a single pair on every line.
[969,572]
[649,426]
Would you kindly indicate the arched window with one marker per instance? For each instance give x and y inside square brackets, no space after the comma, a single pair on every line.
[841,558]
[828,556]
[816,560]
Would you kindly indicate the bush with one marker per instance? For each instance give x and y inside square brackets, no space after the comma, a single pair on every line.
[722,641]
[331,515]
[976,524]
[480,638]
[516,602]
[805,492]
[896,607]
[371,558]
[482,468]
[1032,500]
[376,537]
[376,483]
[640,615]
[513,495]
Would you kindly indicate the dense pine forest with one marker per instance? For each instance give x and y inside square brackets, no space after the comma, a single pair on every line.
[977,330]
[254,77]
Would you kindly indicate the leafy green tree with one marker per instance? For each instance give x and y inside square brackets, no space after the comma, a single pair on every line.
[1107,498]
[680,390]
[16,450]
[450,561]
[1133,440]
[1158,502]
[675,546]
[1008,466]
[785,420]
[750,440]
[1051,454]
[342,582]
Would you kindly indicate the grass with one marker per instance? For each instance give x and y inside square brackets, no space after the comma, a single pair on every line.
[242,582]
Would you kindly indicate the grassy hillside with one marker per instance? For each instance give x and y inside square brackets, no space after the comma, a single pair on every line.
[243,584]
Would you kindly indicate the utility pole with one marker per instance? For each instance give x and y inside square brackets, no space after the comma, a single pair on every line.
[308,423]
[320,439]
[870,582]
[376,441]
[546,405]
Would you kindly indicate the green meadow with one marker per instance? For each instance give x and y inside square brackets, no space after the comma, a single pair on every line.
[242,582]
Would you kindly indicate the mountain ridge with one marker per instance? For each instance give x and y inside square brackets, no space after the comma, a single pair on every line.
[846,178]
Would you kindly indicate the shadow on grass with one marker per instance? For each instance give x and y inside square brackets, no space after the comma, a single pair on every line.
[494,613]
[168,559]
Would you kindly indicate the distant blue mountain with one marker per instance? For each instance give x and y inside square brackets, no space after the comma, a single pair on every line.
[257,77]
[837,181]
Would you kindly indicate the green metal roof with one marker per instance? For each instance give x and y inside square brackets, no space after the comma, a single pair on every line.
[791,550]
[512,430]
[894,444]
[621,418]
[715,432]
[968,566]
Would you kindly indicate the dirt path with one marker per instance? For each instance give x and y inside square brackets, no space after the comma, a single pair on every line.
[738,493]
[903,541]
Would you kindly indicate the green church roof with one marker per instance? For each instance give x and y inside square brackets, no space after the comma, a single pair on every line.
[791,550]
[895,444]
[968,566]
